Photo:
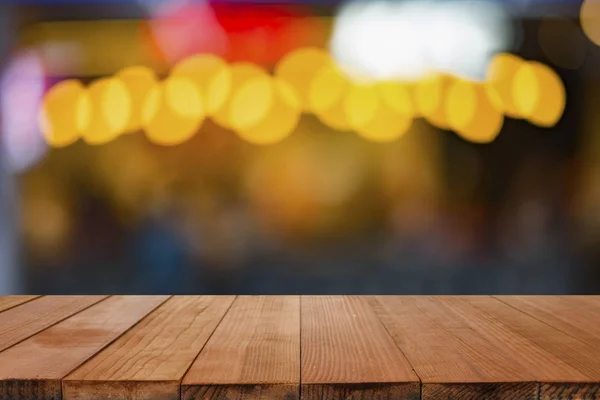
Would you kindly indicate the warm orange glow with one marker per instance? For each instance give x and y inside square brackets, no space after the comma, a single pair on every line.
[211,75]
[173,112]
[279,118]
[590,20]
[300,67]
[58,114]
[241,73]
[500,75]
[470,113]
[326,96]
[430,96]
[109,106]
[398,96]
[539,94]
[139,81]
[373,116]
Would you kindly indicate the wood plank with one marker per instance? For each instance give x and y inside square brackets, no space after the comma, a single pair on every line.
[452,360]
[149,361]
[33,369]
[577,318]
[575,352]
[347,353]
[253,354]
[7,302]
[21,322]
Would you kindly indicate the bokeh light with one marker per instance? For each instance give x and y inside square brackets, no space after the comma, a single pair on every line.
[398,96]
[300,67]
[539,94]
[212,76]
[500,76]
[430,96]
[409,39]
[109,106]
[139,81]
[173,112]
[21,93]
[563,42]
[281,111]
[240,74]
[326,96]
[372,116]
[60,112]
[470,113]
[590,20]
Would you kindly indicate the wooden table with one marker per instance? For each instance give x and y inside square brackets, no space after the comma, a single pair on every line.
[291,347]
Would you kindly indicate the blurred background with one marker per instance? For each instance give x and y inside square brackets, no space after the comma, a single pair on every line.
[478,174]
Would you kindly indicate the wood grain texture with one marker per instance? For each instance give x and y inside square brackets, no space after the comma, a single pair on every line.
[7,302]
[577,353]
[47,357]
[149,361]
[253,354]
[26,320]
[569,391]
[577,317]
[347,353]
[453,360]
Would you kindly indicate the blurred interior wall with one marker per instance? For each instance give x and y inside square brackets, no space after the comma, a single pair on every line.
[10,282]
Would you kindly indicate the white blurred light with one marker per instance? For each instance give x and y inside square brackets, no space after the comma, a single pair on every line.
[21,91]
[407,40]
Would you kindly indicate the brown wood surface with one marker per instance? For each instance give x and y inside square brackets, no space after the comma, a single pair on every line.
[453,360]
[21,322]
[253,354]
[574,316]
[149,361]
[347,353]
[34,368]
[308,347]
[7,302]
[565,346]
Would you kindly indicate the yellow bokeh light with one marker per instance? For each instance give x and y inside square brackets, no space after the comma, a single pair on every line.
[281,117]
[173,112]
[590,20]
[241,73]
[109,106]
[470,112]
[58,114]
[500,75]
[299,69]
[326,96]
[539,94]
[139,81]
[212,76]
[430,96]
[374,116]
[398,96]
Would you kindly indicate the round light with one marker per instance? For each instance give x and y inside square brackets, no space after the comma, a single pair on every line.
[430,96]
[212,76]
[300,67]
[139,81]
[500,75]
[281,118]
[470,113]
[326,95]
[58,114]
[109,106]
[590,20]
[539,94]
[240,74]
[372,116]
[173,112]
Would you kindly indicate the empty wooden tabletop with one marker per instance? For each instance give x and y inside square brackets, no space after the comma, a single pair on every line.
[299,347]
